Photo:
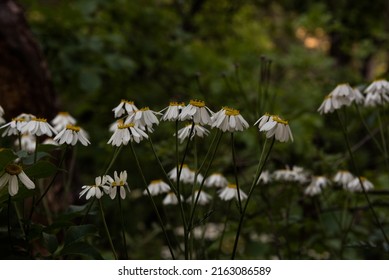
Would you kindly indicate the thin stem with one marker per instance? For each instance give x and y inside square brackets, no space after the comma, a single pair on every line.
[106,230]
[224,230]
[88,210]
[383,140]
[236,171]
[152,200]
[248,198]
[122,224]
[9,221]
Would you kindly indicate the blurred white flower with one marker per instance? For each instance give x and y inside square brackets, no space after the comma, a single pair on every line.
[143,118]
[38,127]
[197,112]
[356,186]
[124,107]
[125,133]
[71,135]
[157,187]
[27,142]
[197,130]
[118,184]
[171,199]
[296,174]
[172,112]
[1,115]
[342,95]
[187,175]
[264,178]
[204,198]
[316,186]
[377,93]
[228,119]
[216,180]
[61,120]
[11,176]
[96,189]
[343,177]
[14,127]
[230,191]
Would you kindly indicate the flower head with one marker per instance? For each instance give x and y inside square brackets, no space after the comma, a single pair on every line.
[172,112]
[296,174]
[124,106]
[96,189]
[216,180]
[265,177]
[38,127]
[14,173]
[229,119]
[342,95]
[197,130]
[277,127]
[27,142]
[230,191]
[143,118]
[203,199]
[358,184]
[118,184]
[196,111]
[71,135]
[343,177]
[125,133]
[61,120]
[14,127]
[377,93]
[157,187]
[171,199]
[316,186]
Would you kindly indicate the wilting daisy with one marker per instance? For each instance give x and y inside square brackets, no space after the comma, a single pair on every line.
[342,95]
[196,111]
[186,175]
[277,127]
[27,142]
[377,93]
[356,186]
[204,198]
[12,174]
[343,177]
[38,127]
[196,129]
[143,118]
[14,127]
[96,189]
[358,96]
[125,133]
[172,112]
[61,120]
[316,186]
[296,174]
[263,120]
[171,199]
[124,107]
[114,126]
[230,191]
[1,115]
[216,180]
[71,135]
[118,184]
[157,187]
[229,119]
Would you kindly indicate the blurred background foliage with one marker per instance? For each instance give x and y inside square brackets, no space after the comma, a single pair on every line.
[156,51]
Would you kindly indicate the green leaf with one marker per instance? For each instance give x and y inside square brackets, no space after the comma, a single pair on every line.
[50,242]
[76,233]
[29,159]
[81,248]
[41,169]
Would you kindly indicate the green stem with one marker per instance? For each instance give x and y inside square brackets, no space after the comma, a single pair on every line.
[236,172]
[248,198]
[224,229]
[383,140]
[106,230]
[123,231]
[88,210]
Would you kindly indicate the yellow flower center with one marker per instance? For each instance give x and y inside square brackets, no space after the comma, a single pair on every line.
[120,184]
[231,111]
[124,126]
[18,119]
[39,120]
[144,109]
[156,181]
[231,186]
[197,103]
[73,127]
[13,169]
[177,104]
[128,102]
[279,120]
[65,114]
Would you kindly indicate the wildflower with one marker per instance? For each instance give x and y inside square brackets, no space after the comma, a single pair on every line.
[1,115]
[27,142]
[316,186]
[355,185]
[263,120]
[118,184]
[229,119]
[38,127]
[343,177]
[96,189]
[377,93]
[157,187]
[124,106]
[71,135]
[143,118]
[171,199]
[342,95]
[14,173]
[296,174]
[196,111]
[204,198]
[50,141]
[125,133]
[358,96]
[114,126]
[264,178]
[197,130]
[172,112]
[277,127]
[186,175]
[61,120]
[14,127]
[216,180]
[230,191]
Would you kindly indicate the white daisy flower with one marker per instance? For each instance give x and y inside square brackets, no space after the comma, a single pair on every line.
[71,135]
[114,126]
[358,96]
[342,95]
[197,112]
[157,187]
[14,127]
[264,178]
[118,184]
[12,174]
[356,186]
[38,127]
[143,118]
[377,93]
[171,199]
[277,127]
[172,112]
[343,177]
[230,191]
[263,120]
[229,119]
[197,130]
[204,198]
[61,120]
[27,141]
[216,180]
[124,107]
[125,133]
[186,176]
[316,186]
[296,174]
[96,189]
[50,141]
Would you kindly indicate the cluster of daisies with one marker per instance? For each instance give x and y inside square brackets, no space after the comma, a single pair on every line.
[316,184]
[376,94]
